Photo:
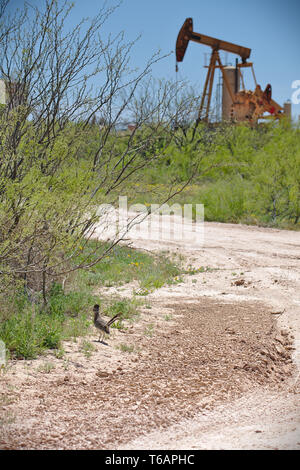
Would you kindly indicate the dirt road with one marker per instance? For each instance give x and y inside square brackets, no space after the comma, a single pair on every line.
[211,365]
[257,266]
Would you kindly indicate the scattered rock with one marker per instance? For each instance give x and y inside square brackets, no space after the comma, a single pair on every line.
[280,349]
[284,332]
[238,282]
[264,352]
[102,373]
[230,331]
[278,312]
[279,339]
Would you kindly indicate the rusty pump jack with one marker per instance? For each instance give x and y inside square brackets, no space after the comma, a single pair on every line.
[246,105]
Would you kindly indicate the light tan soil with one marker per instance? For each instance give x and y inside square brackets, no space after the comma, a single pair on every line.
[212,363]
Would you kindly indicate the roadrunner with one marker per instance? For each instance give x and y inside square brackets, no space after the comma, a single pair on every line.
[102,324]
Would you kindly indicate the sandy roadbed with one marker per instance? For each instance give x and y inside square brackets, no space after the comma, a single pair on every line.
[220,373]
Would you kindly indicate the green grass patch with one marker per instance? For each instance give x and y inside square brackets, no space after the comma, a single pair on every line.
[33,328]
[28,334]
[87,348]
[126,348]
[46,368]
[149,330]
[123,265]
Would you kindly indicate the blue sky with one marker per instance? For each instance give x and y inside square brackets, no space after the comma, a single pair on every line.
[271,28]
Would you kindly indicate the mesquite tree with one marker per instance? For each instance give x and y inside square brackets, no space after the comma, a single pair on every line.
[61,153]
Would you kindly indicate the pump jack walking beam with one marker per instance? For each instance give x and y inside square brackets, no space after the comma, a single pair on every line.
[187,34]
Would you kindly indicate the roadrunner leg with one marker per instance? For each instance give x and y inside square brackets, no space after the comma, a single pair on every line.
[102,334]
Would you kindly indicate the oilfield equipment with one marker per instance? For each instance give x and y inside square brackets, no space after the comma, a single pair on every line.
[238,104]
